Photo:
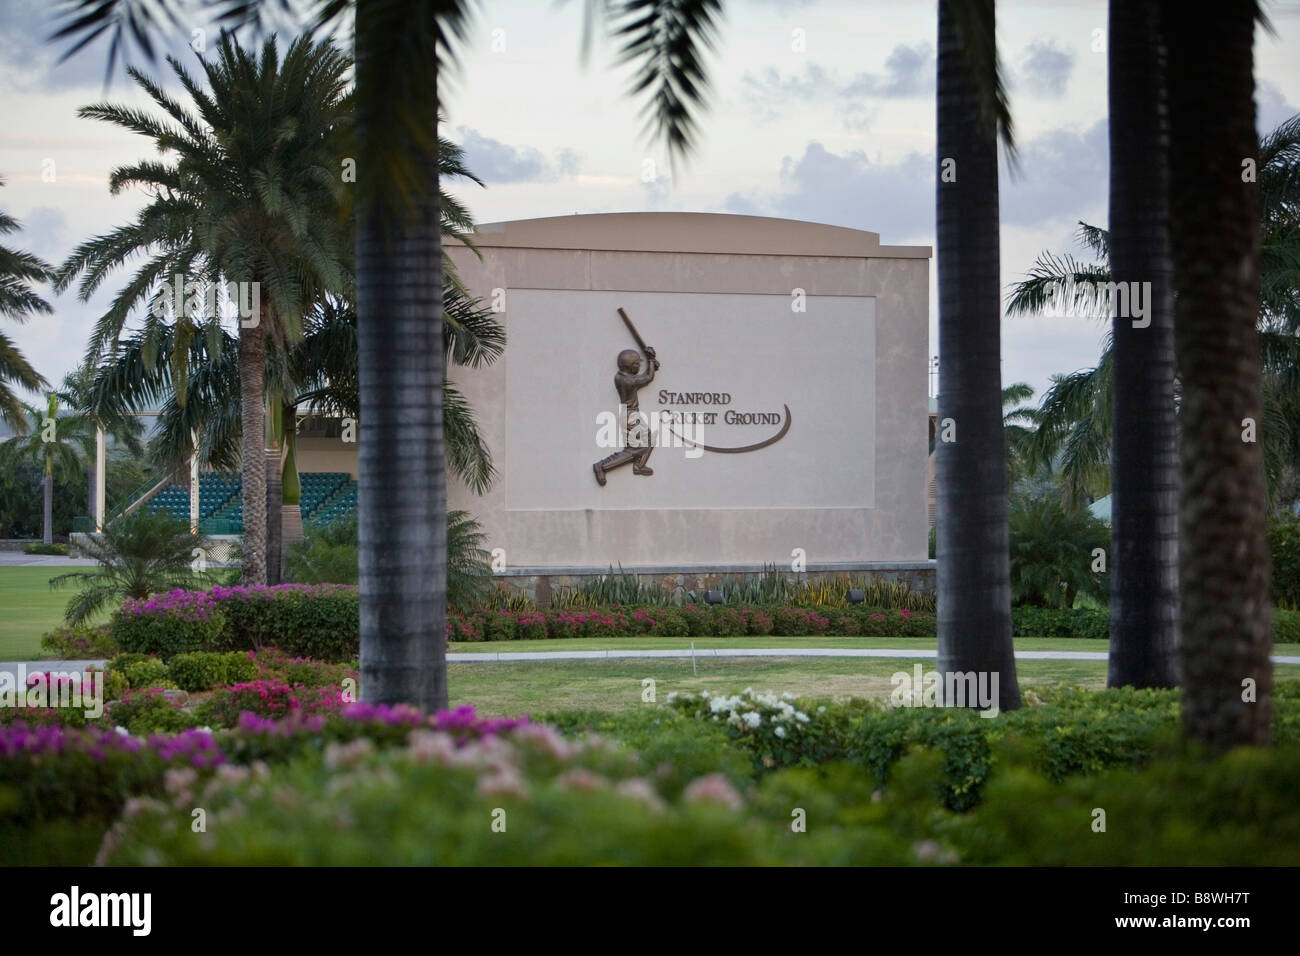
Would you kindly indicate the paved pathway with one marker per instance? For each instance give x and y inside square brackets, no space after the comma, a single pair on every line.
[10,559]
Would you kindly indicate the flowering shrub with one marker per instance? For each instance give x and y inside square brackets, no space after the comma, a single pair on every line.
[777,731]
[316,620]
[85,775]
[168,624]
[846,624]
[728,622]
[565,623]
[532,626]
[140,671]
[570,802]
[605,624]
[699,619]
[796,621]
[266,698]
[80,643]
[203,670]
[270,663]
[145,711]
[691,620]
[757,622]
[669,622]
[469,629]
[50,698]
[499,626]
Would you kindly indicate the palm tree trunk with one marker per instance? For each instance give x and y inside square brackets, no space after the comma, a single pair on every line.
[252,372]
[1144,467]
[402,502]
[48,531]
[972,533]
[1215,229]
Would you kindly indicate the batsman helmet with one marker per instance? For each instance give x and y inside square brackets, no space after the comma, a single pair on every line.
[629,360]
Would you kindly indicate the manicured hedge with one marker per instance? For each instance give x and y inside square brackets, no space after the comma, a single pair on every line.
[1060,622]
[321,621]
[690,620]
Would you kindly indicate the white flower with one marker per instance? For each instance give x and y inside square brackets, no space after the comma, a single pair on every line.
[801,717]
[123,731]
[786,695]
[780,731]
[753,718]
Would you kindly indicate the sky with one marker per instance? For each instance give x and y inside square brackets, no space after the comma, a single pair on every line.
[818,110]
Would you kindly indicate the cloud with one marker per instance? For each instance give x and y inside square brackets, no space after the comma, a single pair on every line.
[1044,70]
[895,200]
[30,61]
[909,72]
[44,233]
[1062,173]
[1063,177]
[1271,107]
[496,162]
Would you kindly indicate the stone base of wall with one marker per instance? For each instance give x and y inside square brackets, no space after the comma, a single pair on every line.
[539,584]
[16,544]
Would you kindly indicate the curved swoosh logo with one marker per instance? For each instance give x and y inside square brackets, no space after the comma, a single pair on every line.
[736,451]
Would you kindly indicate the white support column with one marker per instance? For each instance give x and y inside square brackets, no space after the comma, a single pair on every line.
[194,487]
[101,472]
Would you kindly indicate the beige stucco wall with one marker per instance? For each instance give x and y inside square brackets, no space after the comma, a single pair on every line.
[679,259]
[326,454]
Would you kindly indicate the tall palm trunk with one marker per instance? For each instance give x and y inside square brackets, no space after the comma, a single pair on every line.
[1144,469]
[402,503]
[971,522]
[252,450]
[1215,228]
[47,533]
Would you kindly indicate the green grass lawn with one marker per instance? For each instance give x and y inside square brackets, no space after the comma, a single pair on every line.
[702,643]
[517,688]
[29,608]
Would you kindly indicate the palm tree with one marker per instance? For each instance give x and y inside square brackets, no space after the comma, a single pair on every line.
[1144,483]
[248,197]
[1215,224]
[1076,415]
[125,429]
[401,47]
[18,301]
[1076,423]
[1052,551]
[974,613]
[321,374]
[145,553]
[60,443]
[1018,421]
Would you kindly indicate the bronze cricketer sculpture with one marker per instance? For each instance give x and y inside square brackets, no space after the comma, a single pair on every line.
[629,379]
